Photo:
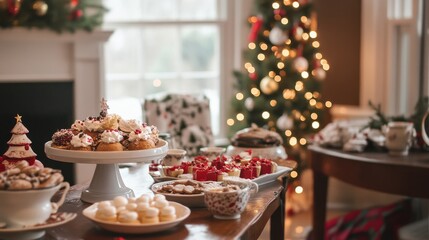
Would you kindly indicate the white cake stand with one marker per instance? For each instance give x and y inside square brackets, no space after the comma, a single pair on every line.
[106,182]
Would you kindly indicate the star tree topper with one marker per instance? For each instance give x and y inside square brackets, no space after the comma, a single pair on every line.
[18,118]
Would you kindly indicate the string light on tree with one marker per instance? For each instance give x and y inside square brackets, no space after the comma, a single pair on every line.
[40,7]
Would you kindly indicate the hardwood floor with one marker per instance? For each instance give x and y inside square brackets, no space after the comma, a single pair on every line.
[298,226]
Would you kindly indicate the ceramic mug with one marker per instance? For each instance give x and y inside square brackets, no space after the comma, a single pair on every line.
[174,157]
[229,204]
[399,136]
[212,152]
[20,208]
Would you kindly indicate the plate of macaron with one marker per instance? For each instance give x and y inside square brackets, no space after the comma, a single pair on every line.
[145,214]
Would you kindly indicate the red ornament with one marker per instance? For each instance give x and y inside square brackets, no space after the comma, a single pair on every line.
[14,6]
[280,12]
[76,14]
[254,30]
[74,3]
[253,76]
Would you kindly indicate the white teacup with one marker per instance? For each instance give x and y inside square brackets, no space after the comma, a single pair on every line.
[229,204]
[212,152]
[20,208]
[399,136]
[174,157]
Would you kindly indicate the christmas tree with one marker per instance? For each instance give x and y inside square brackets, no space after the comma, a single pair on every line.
[280,85]
[57,15]
[19,148]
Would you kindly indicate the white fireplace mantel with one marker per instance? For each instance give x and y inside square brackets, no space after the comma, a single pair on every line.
[42,55]
[34,55]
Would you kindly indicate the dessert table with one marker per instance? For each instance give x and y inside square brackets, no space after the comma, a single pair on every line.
[379,171]
[267,204]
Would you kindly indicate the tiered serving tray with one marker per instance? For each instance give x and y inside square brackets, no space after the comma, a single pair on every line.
[106,182]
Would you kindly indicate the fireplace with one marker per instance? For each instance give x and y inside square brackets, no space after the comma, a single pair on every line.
[45,107]
[50,79]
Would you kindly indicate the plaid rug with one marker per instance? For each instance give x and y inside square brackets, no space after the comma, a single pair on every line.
[375,223]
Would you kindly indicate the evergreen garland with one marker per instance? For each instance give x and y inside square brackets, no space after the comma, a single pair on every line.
[56,15]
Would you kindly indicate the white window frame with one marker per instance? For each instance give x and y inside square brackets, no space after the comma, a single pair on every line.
[384,78]
[233,37]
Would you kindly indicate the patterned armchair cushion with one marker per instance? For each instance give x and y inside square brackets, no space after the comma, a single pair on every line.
[186,117]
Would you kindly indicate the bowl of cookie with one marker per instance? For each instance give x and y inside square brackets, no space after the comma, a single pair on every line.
[185,191]
[26,192]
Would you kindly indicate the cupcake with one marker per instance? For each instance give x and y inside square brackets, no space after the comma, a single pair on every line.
[141,139]
[77,127]
[150,216]
[110,141]
[93,127]
[128,217]
[111,121]
[129,126]
[81,142]
[61,139]
[167,214]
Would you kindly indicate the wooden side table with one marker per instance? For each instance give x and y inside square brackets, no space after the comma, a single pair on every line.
[377,171]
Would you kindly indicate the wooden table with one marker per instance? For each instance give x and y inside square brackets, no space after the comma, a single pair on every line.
[267,204]
[402,175]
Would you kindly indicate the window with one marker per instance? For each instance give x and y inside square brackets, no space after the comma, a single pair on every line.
[168,46]
[390,54]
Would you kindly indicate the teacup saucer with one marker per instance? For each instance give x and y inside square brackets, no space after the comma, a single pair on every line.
[36,231]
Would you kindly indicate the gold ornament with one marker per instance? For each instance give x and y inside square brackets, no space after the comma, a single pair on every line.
[268,85]
[40,7]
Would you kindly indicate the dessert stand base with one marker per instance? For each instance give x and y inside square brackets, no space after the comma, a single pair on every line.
[106,184]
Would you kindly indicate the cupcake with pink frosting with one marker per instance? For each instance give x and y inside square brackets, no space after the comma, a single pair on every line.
[110,141]
[142,138]
[81,142]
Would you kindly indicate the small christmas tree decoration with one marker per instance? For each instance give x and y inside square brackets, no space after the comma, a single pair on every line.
[40,7]
[268,85]
[278,36]
[19,148]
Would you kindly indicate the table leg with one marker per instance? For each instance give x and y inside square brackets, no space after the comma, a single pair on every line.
[319,205]
[277,221]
